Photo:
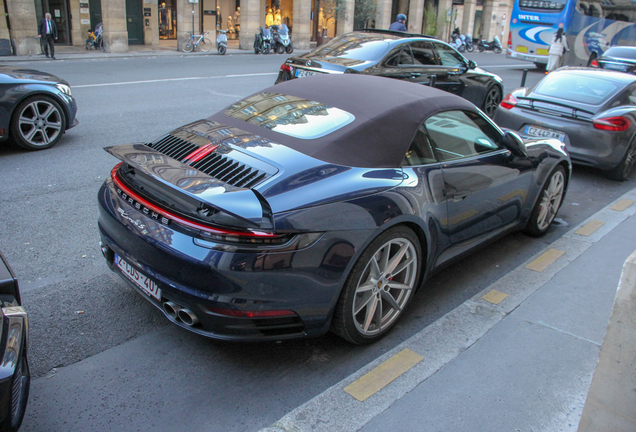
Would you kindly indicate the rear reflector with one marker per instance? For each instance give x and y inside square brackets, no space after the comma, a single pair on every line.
[509,101]
[594,63]
[510,40]
[251,314]
[614,124]
[286,68]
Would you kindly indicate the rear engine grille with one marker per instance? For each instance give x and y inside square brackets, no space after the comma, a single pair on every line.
[174,147]
[219,166]
[230,171]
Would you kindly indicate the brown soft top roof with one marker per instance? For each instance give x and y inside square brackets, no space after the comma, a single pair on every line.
[387,114]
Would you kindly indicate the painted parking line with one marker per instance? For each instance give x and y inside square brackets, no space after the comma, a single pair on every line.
[622,205]
[495,297]
[174,79]
[545,260]
[589,228]
[383,375]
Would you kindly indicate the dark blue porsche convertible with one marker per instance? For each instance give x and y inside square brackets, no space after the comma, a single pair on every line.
[319,204]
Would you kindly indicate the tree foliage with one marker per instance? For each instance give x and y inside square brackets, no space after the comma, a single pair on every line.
[430,20]
[365,11]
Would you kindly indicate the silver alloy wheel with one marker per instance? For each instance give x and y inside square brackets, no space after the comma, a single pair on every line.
[551,200]
[40,123]
[385,286]
[493,98]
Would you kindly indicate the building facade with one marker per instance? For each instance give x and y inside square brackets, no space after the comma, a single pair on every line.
[155,22]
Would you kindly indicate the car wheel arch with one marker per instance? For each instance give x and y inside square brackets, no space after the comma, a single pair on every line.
[51,95]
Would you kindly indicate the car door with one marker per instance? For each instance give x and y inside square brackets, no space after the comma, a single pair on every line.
[485,185]
[454,67]
[401,64]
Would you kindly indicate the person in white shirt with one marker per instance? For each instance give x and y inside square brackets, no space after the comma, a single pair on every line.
[557,48]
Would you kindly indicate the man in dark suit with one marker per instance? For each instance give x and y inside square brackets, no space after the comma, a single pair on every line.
[47,30]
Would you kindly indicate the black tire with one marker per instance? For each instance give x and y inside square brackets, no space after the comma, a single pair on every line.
[497,50]
[256,50]
[289,49]
[379,295]
[492,101]
[188,46]
[222,49]
[481,49]
[470,48]
[38,123]
[624,168]
[267,48]
[548,203]
[21,382]
[280,49]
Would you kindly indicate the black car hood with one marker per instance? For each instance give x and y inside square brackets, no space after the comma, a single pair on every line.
[10,74]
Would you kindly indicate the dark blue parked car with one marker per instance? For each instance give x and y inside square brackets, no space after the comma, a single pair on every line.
[318,204]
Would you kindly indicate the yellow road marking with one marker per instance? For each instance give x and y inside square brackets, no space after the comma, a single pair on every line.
[622,205]
[495,297]
[589,228]
[545,260]
[369,384]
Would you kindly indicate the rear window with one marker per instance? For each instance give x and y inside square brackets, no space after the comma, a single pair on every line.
[290,115]
[578,88]
[352,46]
[621,52]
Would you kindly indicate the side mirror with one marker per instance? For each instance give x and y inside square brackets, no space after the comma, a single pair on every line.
[514,143]
[472,64]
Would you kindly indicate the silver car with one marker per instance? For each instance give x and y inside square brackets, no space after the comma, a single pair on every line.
[593,111]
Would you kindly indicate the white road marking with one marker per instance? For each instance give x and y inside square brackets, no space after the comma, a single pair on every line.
[173,79]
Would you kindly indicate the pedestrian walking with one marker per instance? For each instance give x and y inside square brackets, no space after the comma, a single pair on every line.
[399,24]
[558,47]
[47,30]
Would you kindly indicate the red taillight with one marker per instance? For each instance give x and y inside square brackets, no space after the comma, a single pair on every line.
[509,101]
[594,63]
[286,68]
[210,231]
[614,124]
[251,314]
[510,40]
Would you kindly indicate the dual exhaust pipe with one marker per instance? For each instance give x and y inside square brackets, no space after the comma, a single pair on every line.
[180,313]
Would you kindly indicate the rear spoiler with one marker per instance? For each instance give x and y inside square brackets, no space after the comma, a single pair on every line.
[194,185]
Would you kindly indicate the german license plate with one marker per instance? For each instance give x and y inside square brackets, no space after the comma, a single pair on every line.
[305,73]
[544,133]
[139,279]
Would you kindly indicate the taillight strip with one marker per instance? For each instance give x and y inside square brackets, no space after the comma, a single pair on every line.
[181,219]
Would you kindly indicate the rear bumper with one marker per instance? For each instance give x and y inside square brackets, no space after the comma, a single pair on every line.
[204,280]
[585,144]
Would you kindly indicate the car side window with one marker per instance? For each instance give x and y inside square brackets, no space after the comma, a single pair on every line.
[632,97]
[460,134]
[448,56]
[423,53]
[401,57]
[420,152]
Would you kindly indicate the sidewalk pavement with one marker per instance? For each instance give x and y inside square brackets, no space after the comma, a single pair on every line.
[165,48]
[519,356]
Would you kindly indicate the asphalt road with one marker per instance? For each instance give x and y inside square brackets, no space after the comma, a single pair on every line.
[102,357]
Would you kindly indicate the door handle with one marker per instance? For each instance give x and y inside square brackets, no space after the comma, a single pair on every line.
[459,196]
[129,19]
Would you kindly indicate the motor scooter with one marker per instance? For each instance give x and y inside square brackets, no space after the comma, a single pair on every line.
[494,46]
[221,41]
[457,43]
[468,40]
[262,41]
[281,41]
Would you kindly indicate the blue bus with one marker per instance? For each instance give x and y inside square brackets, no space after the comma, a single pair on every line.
[591,26]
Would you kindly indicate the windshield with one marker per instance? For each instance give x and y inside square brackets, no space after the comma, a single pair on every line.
[290,115]
[353,46]
[578,88]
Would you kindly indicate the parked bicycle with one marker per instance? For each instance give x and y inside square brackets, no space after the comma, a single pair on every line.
[193,42]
